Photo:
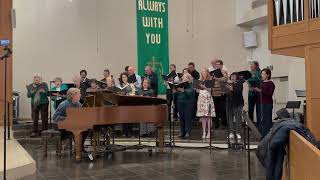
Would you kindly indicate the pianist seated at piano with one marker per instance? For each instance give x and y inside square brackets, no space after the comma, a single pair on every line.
[58,86]
[72,101]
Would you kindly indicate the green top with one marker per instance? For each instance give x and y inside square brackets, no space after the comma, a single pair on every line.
[256,79]
[37,97]
[63,87]
[187,96]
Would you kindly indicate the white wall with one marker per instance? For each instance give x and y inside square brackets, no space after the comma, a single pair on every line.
[60,37]
[245,13]
[292,67]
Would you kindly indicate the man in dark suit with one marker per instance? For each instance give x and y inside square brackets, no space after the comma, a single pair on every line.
[84,83]
[192,70]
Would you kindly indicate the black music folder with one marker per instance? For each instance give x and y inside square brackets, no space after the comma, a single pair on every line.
[102,84]
[245,75]
[50,93]
[70,85]
[171,75]
[216,73]
[184,85]
[207,83]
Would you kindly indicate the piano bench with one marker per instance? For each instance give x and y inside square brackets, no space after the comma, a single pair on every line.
[51,135]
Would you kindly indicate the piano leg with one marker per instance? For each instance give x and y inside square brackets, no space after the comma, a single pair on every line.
[161,138]
[78,143]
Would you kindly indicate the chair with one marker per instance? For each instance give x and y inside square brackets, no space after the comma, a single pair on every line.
[51,135]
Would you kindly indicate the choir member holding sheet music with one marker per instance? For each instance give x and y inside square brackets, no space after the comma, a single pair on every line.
[220,77]
[205,105]
[185,100]
[146,129]
[38,92]
[172,77]
[128,89]
[59,96]
[235,103]
[153,77]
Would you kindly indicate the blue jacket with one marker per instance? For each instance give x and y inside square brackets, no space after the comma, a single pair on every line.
[61,112]
[271,150]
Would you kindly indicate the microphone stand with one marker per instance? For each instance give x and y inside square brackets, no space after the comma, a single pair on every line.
[50,99]
[5,116]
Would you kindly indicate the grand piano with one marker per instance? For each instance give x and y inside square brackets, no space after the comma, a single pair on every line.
[121,109]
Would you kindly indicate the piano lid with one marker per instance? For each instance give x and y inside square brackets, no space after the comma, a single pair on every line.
[122,100]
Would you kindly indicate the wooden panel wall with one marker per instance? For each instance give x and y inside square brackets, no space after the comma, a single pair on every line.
[5,33]
[313,88]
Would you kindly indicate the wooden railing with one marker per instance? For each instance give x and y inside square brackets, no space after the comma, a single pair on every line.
[304,160]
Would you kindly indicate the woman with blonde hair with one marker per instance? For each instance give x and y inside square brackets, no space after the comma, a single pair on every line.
[38,92]
[205,105]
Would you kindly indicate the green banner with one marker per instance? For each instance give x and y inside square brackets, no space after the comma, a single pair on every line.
[153,45]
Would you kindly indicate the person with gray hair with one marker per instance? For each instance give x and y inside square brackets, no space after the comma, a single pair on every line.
[38,92]
[72,101]
[133,77]
[153,77]
[58,86]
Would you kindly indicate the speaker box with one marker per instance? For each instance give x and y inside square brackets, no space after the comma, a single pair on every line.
[250,39]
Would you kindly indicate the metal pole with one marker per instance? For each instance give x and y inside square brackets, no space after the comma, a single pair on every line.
[248,142]
[8,117]
[170,125]
[50,98]
[139,134]
[5,122]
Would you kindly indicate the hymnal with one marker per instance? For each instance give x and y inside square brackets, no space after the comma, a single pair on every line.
[245,75]
[207,83]
[216,73]
[184,85]
[51,93]
[132,79]
[123,89]
[171,75]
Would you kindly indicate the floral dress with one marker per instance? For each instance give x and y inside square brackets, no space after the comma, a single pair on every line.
[205,106]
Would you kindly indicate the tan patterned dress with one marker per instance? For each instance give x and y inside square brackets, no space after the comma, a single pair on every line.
[205,106]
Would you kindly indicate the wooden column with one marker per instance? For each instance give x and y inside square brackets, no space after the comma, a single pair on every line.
[312,58]
[5,33]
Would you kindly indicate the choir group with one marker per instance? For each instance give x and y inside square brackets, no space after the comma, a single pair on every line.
[214,96]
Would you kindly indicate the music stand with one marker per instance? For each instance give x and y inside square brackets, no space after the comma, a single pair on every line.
[302,94]
[250,125]
[293,105]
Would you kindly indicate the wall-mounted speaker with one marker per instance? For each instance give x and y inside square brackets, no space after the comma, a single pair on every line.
[250,39]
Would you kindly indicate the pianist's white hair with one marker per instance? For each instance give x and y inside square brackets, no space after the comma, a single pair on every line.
[72,92]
